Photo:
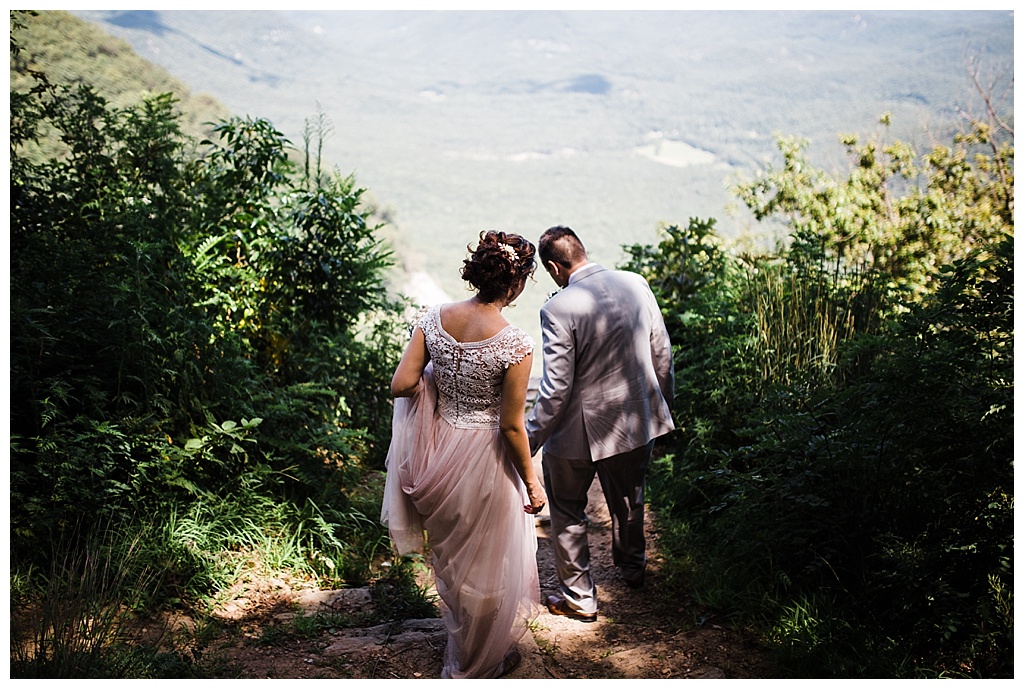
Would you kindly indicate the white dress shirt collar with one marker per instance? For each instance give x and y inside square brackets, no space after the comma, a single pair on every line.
[583,271]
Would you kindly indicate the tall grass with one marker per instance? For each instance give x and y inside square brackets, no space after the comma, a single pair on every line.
[211,544]
[842,475]
[398,595]
[801,322]
[89,615]
[84,619]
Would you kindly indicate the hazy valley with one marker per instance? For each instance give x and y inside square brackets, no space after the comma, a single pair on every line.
[610,122]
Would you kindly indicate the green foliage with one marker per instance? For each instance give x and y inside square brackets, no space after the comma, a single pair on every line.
[893,215]
[83,621]
[945,554]
[397,595]
[843,472]
[199,335]
[208,545]
[687,262]
[697,284]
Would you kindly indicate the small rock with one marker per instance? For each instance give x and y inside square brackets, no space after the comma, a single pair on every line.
[358,647]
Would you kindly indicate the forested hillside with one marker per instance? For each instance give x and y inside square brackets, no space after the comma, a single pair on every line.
[201,348]
[72,51]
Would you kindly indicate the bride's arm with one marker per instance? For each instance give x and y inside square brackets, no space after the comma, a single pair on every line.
[410,368]
[513,428]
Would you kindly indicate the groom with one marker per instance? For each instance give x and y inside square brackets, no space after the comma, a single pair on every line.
[605,395]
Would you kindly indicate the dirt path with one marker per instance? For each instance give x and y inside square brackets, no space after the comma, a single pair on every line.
[646,633]
[640,633]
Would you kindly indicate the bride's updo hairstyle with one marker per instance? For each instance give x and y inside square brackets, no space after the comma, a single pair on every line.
[498,264]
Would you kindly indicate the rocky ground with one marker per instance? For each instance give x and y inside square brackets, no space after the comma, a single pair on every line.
[645,633]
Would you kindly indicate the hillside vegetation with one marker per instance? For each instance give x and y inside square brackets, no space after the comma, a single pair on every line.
[201,348]
[72,51]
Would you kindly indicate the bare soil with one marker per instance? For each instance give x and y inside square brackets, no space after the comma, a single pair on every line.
[649,632]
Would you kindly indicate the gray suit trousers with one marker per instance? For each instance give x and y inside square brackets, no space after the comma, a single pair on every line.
[622,480]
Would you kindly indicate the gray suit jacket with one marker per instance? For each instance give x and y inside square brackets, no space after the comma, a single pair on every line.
[608,377]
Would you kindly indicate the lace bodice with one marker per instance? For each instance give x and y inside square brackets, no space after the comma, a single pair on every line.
[469,374]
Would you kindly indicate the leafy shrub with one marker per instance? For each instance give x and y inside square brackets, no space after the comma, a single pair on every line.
[200,335]
[842,472]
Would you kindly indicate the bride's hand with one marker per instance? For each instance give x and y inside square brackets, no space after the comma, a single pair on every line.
[537,500]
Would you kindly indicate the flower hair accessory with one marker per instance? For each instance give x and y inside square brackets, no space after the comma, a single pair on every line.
[509,250]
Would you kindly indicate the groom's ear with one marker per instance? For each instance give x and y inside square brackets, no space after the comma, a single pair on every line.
[557,272]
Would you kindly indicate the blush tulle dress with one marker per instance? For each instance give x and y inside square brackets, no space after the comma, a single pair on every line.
[449,474]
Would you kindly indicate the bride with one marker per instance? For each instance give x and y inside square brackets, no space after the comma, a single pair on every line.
[459,465]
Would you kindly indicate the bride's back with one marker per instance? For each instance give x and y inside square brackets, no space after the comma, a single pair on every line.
[470,321]
[469,373]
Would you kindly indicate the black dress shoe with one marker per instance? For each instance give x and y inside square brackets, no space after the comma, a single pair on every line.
[558,606]
[634,580]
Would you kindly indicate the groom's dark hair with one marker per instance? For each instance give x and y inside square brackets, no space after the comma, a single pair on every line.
[560,245]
